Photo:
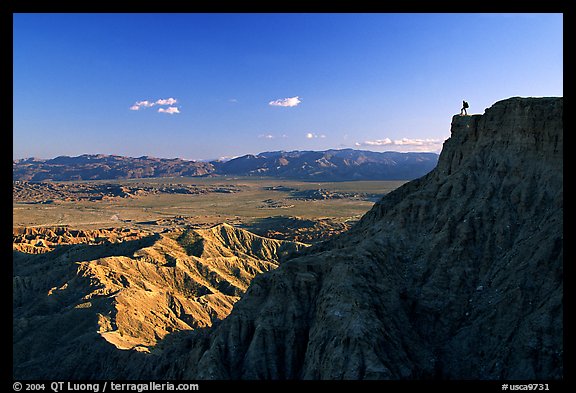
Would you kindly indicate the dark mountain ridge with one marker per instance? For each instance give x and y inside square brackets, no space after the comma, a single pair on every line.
[333,165]
[105,167]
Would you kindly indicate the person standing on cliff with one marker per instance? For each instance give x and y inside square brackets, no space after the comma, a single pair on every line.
[464,106]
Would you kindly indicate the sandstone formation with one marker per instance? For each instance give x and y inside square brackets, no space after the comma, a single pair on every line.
[133,293]
[40,240]
[455,275]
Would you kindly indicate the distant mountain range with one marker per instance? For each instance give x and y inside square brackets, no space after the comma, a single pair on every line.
[328,165]
[105,167]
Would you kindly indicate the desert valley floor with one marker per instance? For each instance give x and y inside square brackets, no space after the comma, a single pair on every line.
[282,209]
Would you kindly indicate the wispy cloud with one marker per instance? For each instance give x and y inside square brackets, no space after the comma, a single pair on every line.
[170,110]
[141,104]
[272,136]
[160,102]
[312,135]
[377,142]
[405,144]
[287,102]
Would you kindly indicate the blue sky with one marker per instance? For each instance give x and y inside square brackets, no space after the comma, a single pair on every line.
[204,86]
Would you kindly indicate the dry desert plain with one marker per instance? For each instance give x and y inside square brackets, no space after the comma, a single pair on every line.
[283,209]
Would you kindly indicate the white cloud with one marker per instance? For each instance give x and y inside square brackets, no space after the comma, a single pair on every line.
[309,135]
[170,110]
[379,142]
[166,101]
[405,144]
[417,142]
[288,102]
[162,102]
[141,104]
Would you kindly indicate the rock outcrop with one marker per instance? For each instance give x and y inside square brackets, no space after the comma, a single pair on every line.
[455,275]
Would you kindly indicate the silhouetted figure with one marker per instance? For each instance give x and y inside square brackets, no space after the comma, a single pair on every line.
[464,106]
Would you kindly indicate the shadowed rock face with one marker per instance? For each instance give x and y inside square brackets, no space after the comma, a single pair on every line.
[455,275]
